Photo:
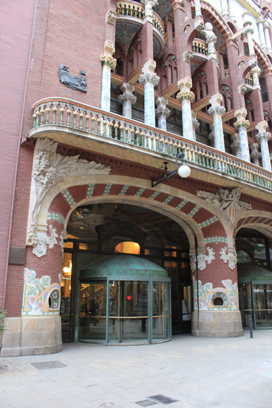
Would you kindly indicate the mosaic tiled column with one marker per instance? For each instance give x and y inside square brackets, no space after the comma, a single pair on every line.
[255,155]
[248,31]
[162,112]
[127,99]
[241,125]
[186,97]
[216,112]
[267,36]
[263,137]
[109,63]
[149,80]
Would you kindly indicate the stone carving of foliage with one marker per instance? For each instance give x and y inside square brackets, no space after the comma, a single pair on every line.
[202,260]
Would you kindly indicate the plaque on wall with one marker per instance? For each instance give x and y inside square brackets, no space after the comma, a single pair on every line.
[17,256]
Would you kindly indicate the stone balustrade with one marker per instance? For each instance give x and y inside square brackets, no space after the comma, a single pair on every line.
[72,117]
[199,46]
[136,10]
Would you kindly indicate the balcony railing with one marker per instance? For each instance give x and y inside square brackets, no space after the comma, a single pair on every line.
[136,10]
[55,114]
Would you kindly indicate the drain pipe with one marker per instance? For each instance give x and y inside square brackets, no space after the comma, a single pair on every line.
[197,285]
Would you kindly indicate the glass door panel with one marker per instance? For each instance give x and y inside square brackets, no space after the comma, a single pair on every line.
[161,310]
[263,305]
[128,311]
[65,306]
[92,320]
[187,303]
[245,300]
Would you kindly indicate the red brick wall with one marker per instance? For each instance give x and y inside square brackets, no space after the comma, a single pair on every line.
[16,23]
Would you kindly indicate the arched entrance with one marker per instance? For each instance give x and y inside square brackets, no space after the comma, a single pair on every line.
[110,229]
[254,255]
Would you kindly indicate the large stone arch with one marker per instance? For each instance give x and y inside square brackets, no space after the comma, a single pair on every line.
[258,220]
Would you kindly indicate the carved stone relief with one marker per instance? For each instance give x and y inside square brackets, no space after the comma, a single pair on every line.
[48,169]
[227,201]
[78,83]
[202,259]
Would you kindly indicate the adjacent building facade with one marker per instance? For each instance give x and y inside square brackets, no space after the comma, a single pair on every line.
[101,239]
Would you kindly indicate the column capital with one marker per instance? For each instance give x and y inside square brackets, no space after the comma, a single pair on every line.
[266,25]
[108,60]
[243,123]
[185,95]
[261,126]
[127,96]
[149,78]
[240,113]
[263,135]
[216,109]
[248,29]
[260,20]
[162,109]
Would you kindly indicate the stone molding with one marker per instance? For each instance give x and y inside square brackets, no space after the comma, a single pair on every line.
[227,201]
[108,60]
[48,169]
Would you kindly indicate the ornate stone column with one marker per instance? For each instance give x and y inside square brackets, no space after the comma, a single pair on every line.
[224,8]
[248,31]
[263,137]
[255,76]
[216,111]
[236,147]
[260,23]
[267,36]
[149,79]
[108,63]
[197,8]
[127,99]
[195,123]
[162,112]
[231,10]
[210,39]
[241,126]
[186,97]
[255,155]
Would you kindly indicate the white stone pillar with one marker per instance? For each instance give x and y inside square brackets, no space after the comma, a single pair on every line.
[197,8]
[127,99]
[255,155]
[186,97]
[216,111]
[267,36]
[162,112]
[260,23]
[149,80]
[232,10]
[248,31]
[108,63]
[224,8]
[210,39]
[263,137]
[241,125]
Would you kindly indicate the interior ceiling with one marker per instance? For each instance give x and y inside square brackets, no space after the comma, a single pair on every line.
[160,229]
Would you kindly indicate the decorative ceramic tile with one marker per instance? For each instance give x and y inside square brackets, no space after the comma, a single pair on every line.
[208,222]
[182,204]
[68,197]
[36,295]
[206,295]
[216,240]
[107,189]
[90,190]
[194,211]
[124,190]
[169,198]
[139,192]
[154,195]
[56,217]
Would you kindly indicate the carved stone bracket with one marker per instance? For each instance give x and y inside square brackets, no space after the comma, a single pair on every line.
[78,83]
[231,258]
[227,201]
[202,259]
[187,55]
[48,169]
[110,17]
